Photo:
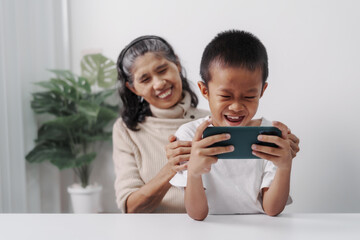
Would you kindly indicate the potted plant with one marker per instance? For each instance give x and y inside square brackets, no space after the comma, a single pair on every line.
[78,117]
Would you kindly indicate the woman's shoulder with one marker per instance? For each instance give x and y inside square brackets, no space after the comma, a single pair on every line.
[120,128]
[119,124]
[196,113]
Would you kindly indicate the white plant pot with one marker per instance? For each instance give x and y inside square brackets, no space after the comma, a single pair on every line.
[85,200]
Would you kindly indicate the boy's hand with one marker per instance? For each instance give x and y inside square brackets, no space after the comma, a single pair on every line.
[202,157]
[281,156]
[177,152]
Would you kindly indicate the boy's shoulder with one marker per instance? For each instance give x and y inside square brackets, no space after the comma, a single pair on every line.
[187,131]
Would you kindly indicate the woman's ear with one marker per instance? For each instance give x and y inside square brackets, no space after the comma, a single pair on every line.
[131,88]
[264,88]
[203,89]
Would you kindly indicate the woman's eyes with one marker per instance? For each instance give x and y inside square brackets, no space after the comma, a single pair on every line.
[144,80]
[162,70]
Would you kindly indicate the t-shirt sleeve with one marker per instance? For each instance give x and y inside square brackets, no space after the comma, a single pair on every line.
[268,177]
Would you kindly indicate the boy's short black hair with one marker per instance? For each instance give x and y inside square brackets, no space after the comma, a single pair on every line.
[234,48]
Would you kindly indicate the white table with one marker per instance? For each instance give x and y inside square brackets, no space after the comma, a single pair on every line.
[178,226]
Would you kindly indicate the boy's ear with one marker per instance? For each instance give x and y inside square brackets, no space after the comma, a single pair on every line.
[131,88]
[264,88]
[203,89]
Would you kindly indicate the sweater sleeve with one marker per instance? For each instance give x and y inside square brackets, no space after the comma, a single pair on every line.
[128,178]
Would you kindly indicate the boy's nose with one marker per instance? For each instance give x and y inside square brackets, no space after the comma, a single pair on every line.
[236,106]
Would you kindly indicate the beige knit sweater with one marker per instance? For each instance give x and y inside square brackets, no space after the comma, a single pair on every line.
[139,155]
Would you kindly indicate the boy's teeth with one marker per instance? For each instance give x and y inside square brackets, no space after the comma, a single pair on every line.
[165,94]
[234,118]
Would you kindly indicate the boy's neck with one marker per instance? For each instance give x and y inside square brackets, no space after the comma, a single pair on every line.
[255,123]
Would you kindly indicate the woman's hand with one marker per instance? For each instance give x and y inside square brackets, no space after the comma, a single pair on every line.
[294,143]
[178,154]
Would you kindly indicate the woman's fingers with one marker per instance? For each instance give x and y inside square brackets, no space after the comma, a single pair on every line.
[178,147]
[283,128]
[293,138]
[172,138]
[181,158]
[178,144]
[181,167]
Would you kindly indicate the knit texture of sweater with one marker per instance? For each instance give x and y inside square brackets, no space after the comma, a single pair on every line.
[139,155]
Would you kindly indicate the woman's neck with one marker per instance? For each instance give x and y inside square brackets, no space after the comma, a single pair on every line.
[177,111]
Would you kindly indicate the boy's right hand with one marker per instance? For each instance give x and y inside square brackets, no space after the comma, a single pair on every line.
[202,157]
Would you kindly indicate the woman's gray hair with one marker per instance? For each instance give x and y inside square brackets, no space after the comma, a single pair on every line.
[140,48]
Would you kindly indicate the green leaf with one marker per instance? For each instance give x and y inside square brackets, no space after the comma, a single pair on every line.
[51,102]
[64,74]
[49,132]
[66,90]
[99,69]
[101,96]
[84,159]
[84,84]
[105,136]
[106,115]
[89,109]
[49,152]
[68,122]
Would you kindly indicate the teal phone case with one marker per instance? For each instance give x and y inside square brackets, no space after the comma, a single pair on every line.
[241,138]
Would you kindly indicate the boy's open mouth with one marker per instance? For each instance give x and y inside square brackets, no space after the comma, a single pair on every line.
[234,120]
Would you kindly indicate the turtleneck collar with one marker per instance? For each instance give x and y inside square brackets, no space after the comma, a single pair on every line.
[177,111]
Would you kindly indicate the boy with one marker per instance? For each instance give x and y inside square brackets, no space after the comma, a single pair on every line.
[234,69]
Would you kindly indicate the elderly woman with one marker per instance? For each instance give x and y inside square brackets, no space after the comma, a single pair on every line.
[157,99]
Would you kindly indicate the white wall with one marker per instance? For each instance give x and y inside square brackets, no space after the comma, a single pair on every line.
[313,49]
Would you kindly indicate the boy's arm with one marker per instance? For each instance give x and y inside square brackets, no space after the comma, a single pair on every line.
[201,159]
[275,197]
[195,198]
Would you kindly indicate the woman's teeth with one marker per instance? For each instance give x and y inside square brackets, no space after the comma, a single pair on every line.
[165,94]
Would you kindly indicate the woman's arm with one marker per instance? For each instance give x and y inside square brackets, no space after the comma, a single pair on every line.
[147,198]
[133,195]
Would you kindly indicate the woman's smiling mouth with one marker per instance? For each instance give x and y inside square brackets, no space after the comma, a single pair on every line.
[165,94]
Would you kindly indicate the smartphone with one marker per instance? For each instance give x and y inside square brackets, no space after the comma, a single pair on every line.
[241,138]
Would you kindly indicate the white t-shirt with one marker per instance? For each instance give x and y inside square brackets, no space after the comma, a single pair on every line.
[233,186]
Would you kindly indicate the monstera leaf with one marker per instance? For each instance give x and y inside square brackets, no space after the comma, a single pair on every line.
[77,116]
[99,69]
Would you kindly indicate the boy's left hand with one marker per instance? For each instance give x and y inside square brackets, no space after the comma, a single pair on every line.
[286,151]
